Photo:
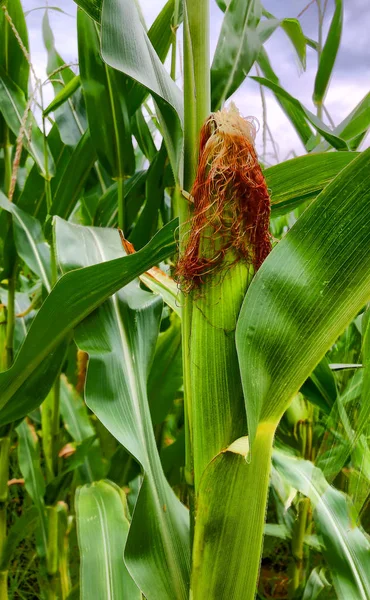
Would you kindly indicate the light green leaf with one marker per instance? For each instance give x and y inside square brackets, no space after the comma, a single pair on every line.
[70,115]
[126,47]
[74,176]
[320,271]
[157,549]
[301,179]
[329,54]
[77,422]
[25,385]
[12,58]
[102,526]
[29,464]
[105,95]
[237,48]
[30,242]
[13,106]
[165,377]
[347,549]
[294,114]
[316,583]
[327,134]
[307,291]
[65,93]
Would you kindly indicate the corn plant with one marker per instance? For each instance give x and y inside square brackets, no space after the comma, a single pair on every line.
[184,333]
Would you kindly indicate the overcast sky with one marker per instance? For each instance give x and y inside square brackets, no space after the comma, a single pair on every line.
[349,84]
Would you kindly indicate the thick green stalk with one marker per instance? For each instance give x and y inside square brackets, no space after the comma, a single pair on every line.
[197,103]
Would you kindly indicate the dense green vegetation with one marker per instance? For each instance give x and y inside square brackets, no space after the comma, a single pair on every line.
[162,436]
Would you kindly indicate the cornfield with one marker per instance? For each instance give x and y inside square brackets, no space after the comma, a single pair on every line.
[184,327]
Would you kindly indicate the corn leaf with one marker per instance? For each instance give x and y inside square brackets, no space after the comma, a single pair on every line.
[13,107]
[347,548]
[30,242]
[293,30]
[70,114]
[63,95]
[157,549]
[295,115]
[12,58]
[237,48]
[327,134]
[76,421]
[102,526]
[309,257]
[301,179]
[73,177]
[165,377]
[329,54]
[126,47]
[105,95]
[30,467]
[25,385]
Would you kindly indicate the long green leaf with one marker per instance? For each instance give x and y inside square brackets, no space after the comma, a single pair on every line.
[292,28]
[237,49]
[77,422]
[295,115]
[29,464]
[74,176]
[13,106]
[301,179]
[157,549]
[327,134]
[105,96]
[147,222]
[65,93]
[12,58]
[25,385]
[347,549]
[69,115]
[323,272]
[30,242]
[102,526]
[126,47]
[329,54]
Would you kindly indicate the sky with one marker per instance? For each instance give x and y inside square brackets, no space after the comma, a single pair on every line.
[350,81]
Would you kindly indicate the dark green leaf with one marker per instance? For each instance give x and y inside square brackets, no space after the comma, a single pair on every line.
[329,54]
[74,177]
[14,107]
[102,525]
[24,386]
[105,95]
[327,134]
[301,179]
[157,549]
[238,47]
